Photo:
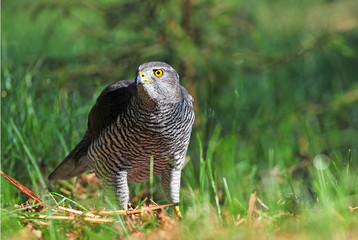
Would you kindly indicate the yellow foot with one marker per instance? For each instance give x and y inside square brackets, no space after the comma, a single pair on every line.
[177,211]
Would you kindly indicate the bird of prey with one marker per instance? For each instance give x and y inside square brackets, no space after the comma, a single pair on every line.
[132,123]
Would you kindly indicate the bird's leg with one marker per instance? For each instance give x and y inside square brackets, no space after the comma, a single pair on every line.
[122,190]
[170,182]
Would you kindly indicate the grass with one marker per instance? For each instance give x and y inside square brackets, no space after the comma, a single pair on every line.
[305,200]
[273,151]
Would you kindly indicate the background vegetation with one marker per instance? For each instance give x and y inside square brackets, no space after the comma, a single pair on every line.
[276,93]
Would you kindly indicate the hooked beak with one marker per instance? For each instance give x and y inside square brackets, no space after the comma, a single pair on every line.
[141,78]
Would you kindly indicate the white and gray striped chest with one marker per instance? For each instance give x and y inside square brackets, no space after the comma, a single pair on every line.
[139,135]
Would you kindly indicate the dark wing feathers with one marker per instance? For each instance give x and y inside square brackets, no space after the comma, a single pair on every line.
[113,100]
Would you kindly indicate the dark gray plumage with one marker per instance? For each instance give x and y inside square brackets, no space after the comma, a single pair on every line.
[132,122]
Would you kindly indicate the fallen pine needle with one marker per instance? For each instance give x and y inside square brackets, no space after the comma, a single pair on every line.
[262,203]
[92,218]
[22,188]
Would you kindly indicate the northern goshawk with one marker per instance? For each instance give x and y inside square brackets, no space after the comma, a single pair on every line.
[132,123]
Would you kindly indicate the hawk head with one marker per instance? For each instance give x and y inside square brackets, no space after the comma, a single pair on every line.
[157,84]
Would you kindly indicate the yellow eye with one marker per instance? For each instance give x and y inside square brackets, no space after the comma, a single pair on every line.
[158,72]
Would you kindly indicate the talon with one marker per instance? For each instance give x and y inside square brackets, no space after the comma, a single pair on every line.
[177,212]
[125,211]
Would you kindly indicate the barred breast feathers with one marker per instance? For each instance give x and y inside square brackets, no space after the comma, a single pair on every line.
[137,126]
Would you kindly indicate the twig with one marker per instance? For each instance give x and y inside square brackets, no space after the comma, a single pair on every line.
[239,220]
[71,218]
[124,212]
[353,208]
[119,212]
[77,212]
[252,201]
[22,188]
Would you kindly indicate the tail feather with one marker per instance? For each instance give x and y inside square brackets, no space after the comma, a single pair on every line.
[75,163]
[68,169]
